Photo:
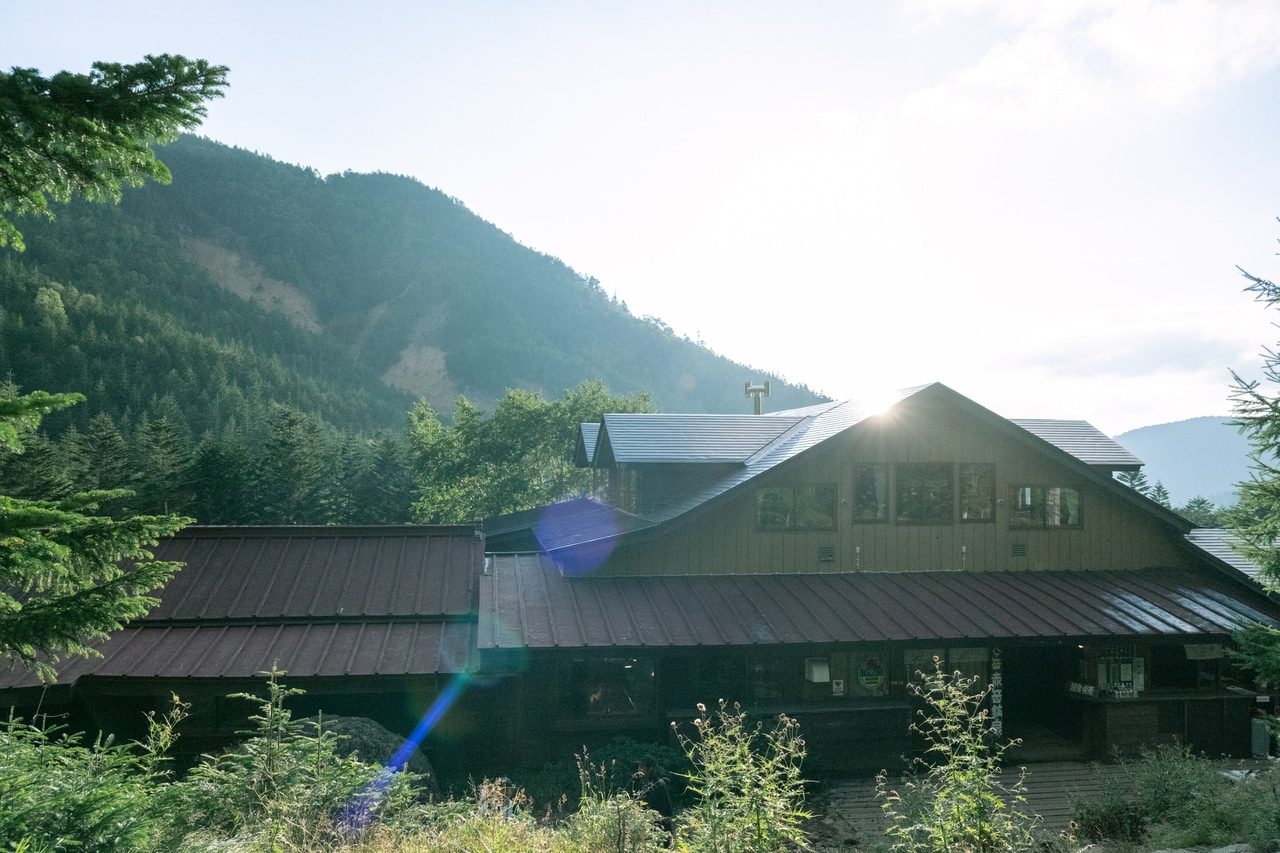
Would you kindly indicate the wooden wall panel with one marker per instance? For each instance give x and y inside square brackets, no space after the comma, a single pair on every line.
[723,539]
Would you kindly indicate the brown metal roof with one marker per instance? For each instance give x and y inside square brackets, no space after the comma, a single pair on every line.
[312,600]
[309,572]
[526,602]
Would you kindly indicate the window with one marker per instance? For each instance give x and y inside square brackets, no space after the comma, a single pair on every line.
[977,492]
[1053,507]
[797,507]
[870,493]
[618,686]
[924,493]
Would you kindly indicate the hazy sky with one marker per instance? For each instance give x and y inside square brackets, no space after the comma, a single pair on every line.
[1040,205]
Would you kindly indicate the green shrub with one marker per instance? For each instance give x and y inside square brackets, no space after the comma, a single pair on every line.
[285,786]
[1172,783]
[747,784]
[58,794]
[1109,818]
[953,800]
[1258,801]
[620,756]
[609,818]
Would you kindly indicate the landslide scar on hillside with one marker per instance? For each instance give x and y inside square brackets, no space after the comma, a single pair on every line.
[244,278]
[421,371]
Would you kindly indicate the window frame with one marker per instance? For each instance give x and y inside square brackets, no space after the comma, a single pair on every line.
[792,524]
[882,505]
[990,477]
[1036,514]
[901,478]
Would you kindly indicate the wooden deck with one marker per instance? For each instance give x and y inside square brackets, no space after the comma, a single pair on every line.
[852,817]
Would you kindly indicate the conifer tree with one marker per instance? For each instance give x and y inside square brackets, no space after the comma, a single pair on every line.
[385,491]
[99,456]
[1201,512]
[63,582]
[90,134]
[219,478]
[1136,480]
[289,482]
[1256,517]
[163,450]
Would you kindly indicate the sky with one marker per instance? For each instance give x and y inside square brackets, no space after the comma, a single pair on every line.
[1040,204]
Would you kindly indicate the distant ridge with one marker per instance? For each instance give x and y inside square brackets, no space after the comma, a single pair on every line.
[248,281]
[1203,457]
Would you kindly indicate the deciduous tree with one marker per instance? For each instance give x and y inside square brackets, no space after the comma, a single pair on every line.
[520,457]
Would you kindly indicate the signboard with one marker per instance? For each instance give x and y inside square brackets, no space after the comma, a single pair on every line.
[871,674]
[997,692]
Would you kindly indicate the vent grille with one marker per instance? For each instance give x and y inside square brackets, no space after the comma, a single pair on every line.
[1018,549]
[826,554]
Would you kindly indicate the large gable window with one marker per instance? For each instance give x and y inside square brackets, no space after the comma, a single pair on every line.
[924,493]
[797,507]
[1053,507]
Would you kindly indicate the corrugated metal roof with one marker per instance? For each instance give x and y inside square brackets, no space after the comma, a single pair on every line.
[315,600]
[650,438]
[1218,543]
[527,603]
[584,451]
[816,425]
[315,572]
[1082,440]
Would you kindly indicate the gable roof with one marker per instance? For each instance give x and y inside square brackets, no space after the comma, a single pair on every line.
[313,600]
[584,451]
[1084,441]
[761,443]
[658,438]
[1220,544]
[526,602]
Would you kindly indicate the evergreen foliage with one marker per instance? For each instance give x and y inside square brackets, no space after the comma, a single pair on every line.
[1136,480]
[1201,512]
[387,267]
[1256,519]
[286,786]
[90,134]
[68,576]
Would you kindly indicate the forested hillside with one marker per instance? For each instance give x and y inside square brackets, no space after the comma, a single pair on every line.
[250,340]
[249,281]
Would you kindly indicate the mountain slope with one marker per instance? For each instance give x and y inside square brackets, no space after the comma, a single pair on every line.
[348,295]
[1203,457]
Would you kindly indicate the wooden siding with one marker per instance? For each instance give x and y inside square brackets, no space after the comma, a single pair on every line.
[1114,534]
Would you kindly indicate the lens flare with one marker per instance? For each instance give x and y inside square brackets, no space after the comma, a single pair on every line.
[359,811]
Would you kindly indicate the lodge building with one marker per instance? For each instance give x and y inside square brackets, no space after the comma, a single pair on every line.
[806,562]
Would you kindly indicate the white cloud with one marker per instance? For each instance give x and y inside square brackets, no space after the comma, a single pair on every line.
[1069,58]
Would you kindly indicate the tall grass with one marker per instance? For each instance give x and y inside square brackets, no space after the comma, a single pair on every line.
[286,789]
